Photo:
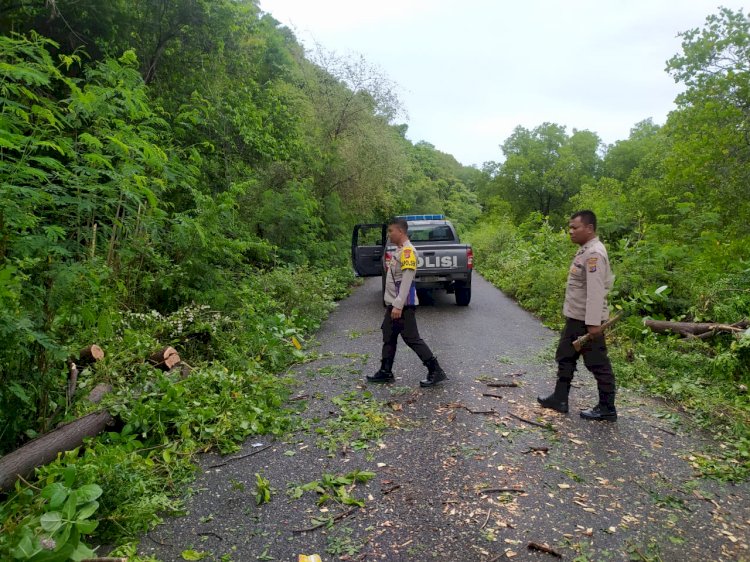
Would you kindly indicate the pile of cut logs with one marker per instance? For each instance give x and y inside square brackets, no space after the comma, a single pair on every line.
[44,449]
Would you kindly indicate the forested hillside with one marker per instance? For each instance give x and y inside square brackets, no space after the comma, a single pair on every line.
[176,174]
[157,154]
[673,204]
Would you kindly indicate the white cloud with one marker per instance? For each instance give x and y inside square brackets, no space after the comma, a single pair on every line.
[471,71]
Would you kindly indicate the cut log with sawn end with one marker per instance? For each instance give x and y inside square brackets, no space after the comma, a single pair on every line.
[165,359]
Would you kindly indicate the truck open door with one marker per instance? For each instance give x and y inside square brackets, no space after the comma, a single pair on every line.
[368,243]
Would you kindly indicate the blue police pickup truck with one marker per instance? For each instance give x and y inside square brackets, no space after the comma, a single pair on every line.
[444,263]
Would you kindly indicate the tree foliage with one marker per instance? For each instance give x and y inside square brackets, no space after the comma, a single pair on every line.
[544,168]
[157,153]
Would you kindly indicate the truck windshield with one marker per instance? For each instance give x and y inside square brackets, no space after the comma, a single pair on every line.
[430,233]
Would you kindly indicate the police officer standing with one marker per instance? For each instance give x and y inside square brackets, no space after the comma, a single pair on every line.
[585,309]
[400,315]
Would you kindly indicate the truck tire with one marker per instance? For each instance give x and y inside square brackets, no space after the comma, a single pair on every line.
[463,296]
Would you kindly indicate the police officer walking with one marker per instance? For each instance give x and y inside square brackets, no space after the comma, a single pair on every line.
[585,309]
[400,315]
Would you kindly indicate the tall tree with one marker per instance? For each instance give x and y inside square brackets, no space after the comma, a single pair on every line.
[545,167]
[710,156]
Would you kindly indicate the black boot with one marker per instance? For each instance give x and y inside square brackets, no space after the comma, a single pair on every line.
[604,410]
[558,400]
[384,374]
[435,373]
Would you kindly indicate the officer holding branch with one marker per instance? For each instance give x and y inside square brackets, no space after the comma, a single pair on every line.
[585,309]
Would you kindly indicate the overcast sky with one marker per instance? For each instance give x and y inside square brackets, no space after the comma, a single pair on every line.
[469,72]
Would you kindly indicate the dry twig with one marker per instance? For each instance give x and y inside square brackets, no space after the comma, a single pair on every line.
[537,424]
[544,548]
[391,489]
[664,430]
[535,450]
[240,457]
[501,490]
[339,517]
[489,512]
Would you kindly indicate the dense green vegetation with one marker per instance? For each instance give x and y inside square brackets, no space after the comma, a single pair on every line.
[175,173]
[673,203]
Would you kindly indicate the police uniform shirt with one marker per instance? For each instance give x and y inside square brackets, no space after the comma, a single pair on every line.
[401,269]
[589,280]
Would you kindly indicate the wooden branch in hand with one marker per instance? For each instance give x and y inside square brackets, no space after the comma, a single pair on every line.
[586,338]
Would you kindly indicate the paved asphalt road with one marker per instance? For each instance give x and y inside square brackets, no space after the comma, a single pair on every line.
[590,491]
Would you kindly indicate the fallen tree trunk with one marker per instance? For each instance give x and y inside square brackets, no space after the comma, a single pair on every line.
[694,329]
[45,449]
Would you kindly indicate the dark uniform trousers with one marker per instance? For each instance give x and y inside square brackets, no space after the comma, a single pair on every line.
[406,326]
[594,356]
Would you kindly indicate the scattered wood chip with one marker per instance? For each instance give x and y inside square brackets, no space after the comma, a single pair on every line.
[490,395]
[503,384]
